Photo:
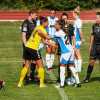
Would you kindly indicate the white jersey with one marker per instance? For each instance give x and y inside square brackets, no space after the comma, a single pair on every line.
[38,22]
[77,28]
[51,28]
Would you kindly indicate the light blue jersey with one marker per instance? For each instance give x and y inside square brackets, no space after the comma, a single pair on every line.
[77,29]
[51,28]
[67,52]
[61,39]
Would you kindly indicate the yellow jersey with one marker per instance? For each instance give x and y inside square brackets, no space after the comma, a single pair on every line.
[35,39]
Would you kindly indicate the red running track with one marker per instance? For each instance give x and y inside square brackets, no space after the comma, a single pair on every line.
[21,15]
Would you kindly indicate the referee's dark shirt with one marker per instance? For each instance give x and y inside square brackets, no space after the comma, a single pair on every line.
[96,33]
[28,27]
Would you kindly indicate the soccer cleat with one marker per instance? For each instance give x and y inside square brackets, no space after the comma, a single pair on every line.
[20,84]
[42,85]
[77,85]
[85,80]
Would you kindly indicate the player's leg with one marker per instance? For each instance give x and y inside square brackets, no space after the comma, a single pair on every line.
[53,50]
[23,63]
[40,72]
[58,54]
[73,69]
[75,74]
[32,70]
[93,56]
[23,72]
[48,57]
[68,72]
[78,60]
[62,75]
[89,70]
[63,61]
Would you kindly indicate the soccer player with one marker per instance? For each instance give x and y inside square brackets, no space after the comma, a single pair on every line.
[79,38]
[69,30]
[32,45]
[51,31]
[94,48]
[67,54]
[27,27]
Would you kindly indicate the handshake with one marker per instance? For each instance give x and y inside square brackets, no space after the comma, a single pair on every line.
[51,43]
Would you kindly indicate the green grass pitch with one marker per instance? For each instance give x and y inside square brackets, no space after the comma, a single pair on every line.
[10,66]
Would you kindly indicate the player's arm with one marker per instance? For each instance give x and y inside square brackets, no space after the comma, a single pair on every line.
[24,38]
[73,41]
[49,42]
[24,32]
[91,39]
[46,39]
[91,42]
[81,34]
[80,29]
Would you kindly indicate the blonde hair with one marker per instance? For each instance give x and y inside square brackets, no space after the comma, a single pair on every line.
[77,10]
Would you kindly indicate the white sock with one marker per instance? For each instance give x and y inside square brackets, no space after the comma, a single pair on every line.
[48,63]
[75,74]
[52,59]
[79,65]
[62,75]
[76,63]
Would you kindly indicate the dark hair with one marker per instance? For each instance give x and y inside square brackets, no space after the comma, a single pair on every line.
[59,22]
[64,14]
[43,19]
[98,13]
[53,11]
[32,11]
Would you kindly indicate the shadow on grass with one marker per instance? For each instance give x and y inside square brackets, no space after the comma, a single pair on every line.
[95,79]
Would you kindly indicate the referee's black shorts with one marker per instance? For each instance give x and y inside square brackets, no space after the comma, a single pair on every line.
[30,54]
[95,52]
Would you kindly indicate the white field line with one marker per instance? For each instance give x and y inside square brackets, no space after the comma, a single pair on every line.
[61,91]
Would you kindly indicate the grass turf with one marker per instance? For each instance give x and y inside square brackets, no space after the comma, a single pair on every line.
[10,55]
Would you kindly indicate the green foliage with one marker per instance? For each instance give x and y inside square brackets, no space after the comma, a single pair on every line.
[49,4]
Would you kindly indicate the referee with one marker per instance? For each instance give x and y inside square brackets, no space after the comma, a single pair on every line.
[94,47]
[27,28]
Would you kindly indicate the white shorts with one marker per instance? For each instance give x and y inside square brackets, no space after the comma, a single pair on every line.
[67,58]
